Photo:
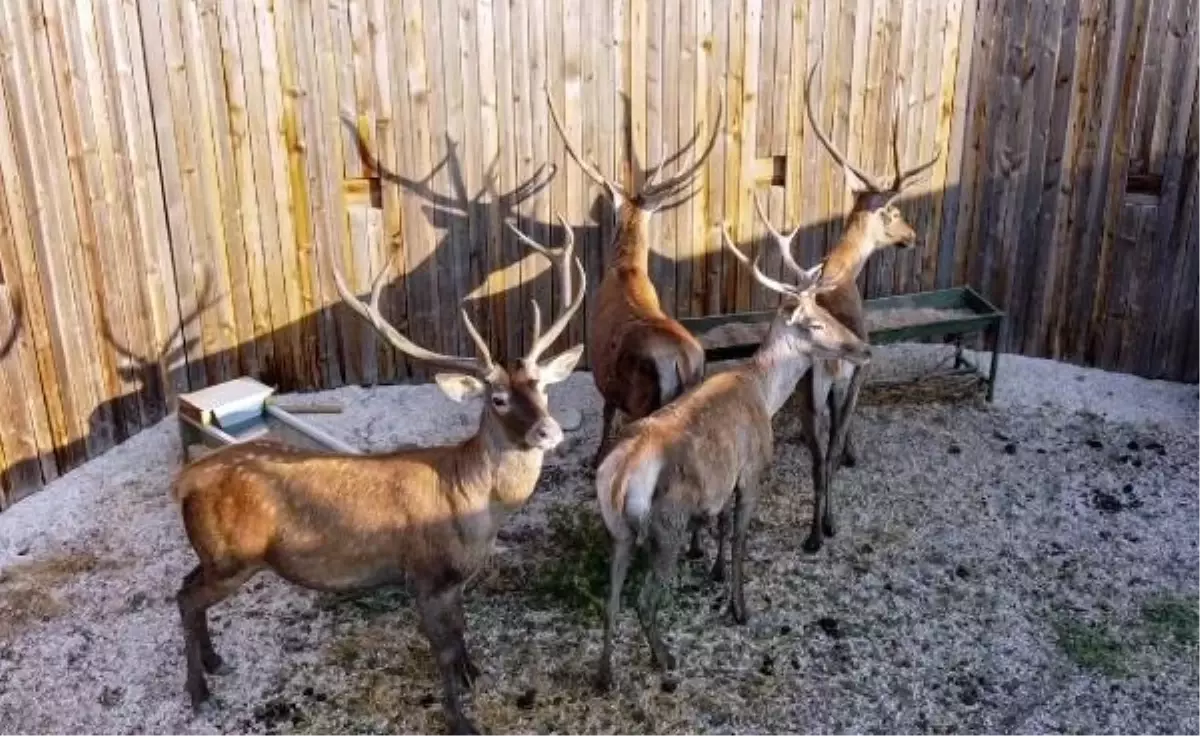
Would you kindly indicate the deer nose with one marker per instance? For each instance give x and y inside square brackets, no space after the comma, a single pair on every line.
[544,435]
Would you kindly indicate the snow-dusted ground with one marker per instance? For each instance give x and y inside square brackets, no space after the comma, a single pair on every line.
[1025,567]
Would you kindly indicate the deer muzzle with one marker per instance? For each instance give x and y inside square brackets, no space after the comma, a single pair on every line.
[545,435]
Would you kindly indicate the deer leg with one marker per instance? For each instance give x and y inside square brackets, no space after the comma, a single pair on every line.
[467,671]
[815,428]
[610,411]
[440,625]
[197,593]
[837,416]
[696,524]
[838,439]
[664,549]
[622,554]
[743,512]
[718,569]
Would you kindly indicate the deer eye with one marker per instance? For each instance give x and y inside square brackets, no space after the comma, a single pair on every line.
[500,401]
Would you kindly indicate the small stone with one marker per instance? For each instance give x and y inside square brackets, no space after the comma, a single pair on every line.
[767,667]
[1127,488]
[1137,462]
[526,700]
[111,696]
[830,626]
[954,450]
[136,602]
[962,572]
[1010,448]
[1095,444]
[1154,446]
[1133,445]
[668,686]
[784,630]
[1041,451]
[308,692]
[795,663]
[428,700]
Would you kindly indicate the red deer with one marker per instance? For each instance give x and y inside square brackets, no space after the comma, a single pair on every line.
[829,394]
[640,358]
[706,452]
[351,522]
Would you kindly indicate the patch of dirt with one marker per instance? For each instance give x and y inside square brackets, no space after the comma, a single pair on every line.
[976,585]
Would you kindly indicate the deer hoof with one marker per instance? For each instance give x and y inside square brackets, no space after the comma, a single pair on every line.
[199,693]
[214,665]
[812,544]
[603,680]
[738,611]
[829,528]
[717,574]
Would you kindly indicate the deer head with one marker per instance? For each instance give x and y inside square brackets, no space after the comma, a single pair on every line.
[515,395]
[651,195]
[874,197]
[800,320]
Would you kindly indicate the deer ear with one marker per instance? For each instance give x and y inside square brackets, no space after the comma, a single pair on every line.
[459,386]
[558,368]
[855,184]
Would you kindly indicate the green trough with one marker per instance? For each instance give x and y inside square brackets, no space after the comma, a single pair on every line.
[951,314]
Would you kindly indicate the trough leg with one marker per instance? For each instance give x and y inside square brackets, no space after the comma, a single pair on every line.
[994,334]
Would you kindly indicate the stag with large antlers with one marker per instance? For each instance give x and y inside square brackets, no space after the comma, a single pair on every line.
[829,394]
[641,358]
[706,452]
[350,522]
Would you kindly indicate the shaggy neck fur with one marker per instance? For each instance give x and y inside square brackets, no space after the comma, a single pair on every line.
[848,257]
[633,242]
[778,365]
[494,468]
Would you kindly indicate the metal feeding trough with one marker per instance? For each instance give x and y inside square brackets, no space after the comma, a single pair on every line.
[244,409]
[950,314]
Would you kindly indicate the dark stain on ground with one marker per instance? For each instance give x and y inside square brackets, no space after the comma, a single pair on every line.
[830,626]
[1111,503]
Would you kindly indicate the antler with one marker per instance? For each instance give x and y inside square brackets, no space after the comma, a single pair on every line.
[650,192]
[902,178]
[369,311]
[810,278]
[783,242]
[562,255]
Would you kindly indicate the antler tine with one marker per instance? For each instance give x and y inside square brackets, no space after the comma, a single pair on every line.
[693,169]
[589,168]
[729,244]
[783,241]
[370,312]
[543,341]
[770,283]
[905,178]
[560,256]
[837,155]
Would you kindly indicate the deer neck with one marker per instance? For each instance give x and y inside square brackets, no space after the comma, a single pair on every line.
[845,262]
[633,241]
[496,471]
[777,366]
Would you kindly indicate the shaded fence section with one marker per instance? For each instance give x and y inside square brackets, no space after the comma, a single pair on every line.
[174,175]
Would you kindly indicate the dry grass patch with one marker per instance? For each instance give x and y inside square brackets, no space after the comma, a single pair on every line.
[30,592]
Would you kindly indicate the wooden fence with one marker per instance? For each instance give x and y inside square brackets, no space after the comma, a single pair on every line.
[174,174]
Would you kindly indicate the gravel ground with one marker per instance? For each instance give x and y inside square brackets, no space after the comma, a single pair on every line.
[1029,566]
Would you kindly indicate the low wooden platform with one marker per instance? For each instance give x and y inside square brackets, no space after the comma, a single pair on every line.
[951,314]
